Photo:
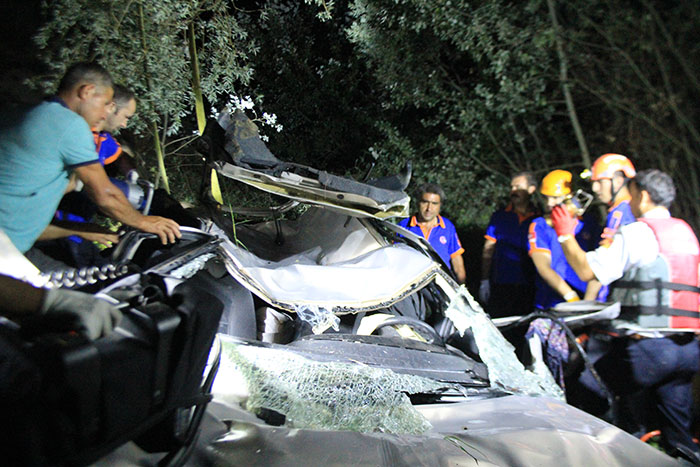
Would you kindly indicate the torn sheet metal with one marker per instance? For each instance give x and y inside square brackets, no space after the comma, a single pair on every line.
[510,430]
[309,190]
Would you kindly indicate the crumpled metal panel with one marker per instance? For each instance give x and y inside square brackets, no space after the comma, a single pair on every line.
[503,431]
[310,191]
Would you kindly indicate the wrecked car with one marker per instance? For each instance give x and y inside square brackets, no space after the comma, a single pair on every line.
[341,339]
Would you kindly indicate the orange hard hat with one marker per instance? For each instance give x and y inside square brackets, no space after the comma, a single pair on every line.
[607,164]
[556,183]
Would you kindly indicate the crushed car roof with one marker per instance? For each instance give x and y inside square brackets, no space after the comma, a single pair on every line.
[244,157]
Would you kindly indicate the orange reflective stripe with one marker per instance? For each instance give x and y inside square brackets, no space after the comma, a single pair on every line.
[114,156]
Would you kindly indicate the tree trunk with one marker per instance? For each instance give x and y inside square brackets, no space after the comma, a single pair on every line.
[563,77]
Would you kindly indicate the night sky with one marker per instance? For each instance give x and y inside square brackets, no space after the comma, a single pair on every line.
[20,19]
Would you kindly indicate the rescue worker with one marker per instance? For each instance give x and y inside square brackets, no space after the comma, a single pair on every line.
[42,145]
[610,174]
[68,240]
[119,160]
[652,265]
[109,149]
[556,281]
[438,230]
[507,273]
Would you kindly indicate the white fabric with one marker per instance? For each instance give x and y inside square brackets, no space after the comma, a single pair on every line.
[14,264]
[338,236]
[367,280]
[633,245]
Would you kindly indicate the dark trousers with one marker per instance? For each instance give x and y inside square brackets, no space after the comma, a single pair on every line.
[511,300]
[664,368]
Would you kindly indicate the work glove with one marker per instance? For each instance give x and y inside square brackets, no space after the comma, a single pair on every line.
[572,296]
[92,317]
[484,291]
[132,176]
[563,222]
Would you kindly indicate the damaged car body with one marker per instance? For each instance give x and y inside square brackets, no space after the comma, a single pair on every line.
[341,339]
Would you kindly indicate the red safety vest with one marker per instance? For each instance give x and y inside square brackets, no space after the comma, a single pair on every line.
[678,245]
[664,294]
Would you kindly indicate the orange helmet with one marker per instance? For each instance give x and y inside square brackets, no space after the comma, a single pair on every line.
[607,164]
[556,183]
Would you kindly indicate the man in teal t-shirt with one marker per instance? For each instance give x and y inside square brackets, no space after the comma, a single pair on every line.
[38,149]
[41,146]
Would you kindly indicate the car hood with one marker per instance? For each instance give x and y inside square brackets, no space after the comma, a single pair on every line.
[510,430]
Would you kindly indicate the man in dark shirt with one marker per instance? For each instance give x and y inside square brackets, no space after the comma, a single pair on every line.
[507,273]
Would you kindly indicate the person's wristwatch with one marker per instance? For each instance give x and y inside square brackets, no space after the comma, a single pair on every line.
[563,238]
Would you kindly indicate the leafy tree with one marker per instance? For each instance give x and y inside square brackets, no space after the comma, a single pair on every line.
[310,76]
[144,44]
[469,90]
[477,89]
[640,95]
[470,93]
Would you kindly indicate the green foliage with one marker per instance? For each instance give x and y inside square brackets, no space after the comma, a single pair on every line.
[143,45]
[469,94]
[472,91]
[640,94]
[311,78]
[468,90]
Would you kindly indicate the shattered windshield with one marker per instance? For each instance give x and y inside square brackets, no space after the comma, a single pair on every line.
[323,395]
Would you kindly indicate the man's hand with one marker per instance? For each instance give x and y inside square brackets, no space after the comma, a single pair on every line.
[563,222]
[571,296]
[93,232]
[93,317]
[167,229]
[112,202]
[104,238]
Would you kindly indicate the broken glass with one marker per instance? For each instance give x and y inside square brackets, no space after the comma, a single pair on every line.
[323,395]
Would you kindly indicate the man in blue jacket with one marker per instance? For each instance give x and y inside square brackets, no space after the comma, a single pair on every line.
[557,281]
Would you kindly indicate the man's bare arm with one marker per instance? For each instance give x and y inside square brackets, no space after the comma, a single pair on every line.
[114,204]
[88,231]
[543,264]
[486,257]
[576,258]
[459,269]
[592,289]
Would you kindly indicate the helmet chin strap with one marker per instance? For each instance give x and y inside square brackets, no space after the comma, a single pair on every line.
[613,191]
